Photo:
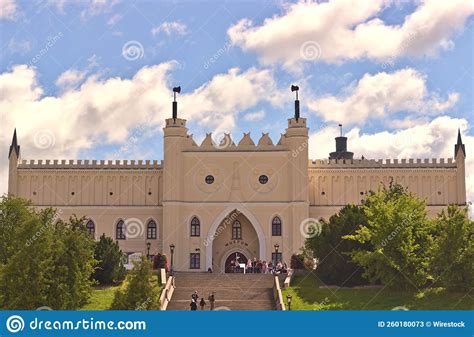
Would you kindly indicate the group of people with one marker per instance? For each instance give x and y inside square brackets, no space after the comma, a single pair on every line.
[259,266]
[196,300]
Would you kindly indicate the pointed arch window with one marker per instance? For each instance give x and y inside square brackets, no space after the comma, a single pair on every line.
[276,226]
[90,226]
[236,230]
[120,231]
[195,227]
[151,230]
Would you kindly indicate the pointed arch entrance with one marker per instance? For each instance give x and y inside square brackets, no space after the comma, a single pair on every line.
[223,238]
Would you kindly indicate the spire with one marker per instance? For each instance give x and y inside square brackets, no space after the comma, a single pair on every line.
[14,147]
[459,145]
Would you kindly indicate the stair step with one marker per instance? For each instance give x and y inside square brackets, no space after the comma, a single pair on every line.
[232,291]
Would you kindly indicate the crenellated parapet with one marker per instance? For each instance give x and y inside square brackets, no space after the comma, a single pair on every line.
[383,163]
[226,143]
[90,164]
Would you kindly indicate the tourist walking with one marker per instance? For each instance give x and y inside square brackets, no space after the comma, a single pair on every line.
[195,296]
[202,303]
[211,299]
[193,305]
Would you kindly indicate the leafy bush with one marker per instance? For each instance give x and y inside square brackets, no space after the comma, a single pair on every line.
[45,263]
[452,252]
[139,291]
[110,268]
[160,261]
[397,232]
[334,266]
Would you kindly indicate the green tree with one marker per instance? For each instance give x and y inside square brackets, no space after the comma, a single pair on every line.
[110,268]
[398,232]
[27,275]
[453,249]
[139,291]
[12,212]
[73,265]
[48,263]
[334,263]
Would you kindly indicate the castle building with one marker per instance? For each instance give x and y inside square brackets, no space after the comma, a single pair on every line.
[212,202]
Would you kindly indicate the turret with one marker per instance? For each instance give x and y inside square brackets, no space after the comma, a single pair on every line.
[341,148]
[295,140]
[460,157]
[13,158]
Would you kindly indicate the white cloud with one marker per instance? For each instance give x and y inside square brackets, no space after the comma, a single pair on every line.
[70,78]
[338,30]
[114,19]
[381,94]
[107,110]
[8,9]
[21,47]
[169,28]
[434,139]
[254,116]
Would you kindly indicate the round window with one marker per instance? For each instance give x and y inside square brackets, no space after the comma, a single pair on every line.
[209,179]
[263,179]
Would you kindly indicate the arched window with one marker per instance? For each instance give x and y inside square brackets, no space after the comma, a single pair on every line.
[195,227]
[236,230]
[90,226]
[276,226]
[151,230]
[120,231]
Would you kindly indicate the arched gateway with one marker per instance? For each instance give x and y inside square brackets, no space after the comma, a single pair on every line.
[235,230]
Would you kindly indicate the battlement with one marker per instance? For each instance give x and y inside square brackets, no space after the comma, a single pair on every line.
[90,164]
[226,143]
[383,163]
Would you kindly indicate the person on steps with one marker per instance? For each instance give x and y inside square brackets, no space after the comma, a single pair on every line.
[193,305]
[211,299]
[202,303]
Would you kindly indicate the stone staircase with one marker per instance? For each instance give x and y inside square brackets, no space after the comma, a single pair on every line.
[232,291]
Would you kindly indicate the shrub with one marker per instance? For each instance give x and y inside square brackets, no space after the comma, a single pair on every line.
[334,264]
[110,268]
[139,291]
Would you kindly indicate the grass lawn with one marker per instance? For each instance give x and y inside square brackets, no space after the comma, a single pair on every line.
[308,296]
[101,298]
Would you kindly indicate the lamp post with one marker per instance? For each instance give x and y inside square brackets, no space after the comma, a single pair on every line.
[276,246]
[148,244]
[172,252]
[288,300]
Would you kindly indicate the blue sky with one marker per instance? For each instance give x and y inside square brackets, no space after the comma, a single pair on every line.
[398,75]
